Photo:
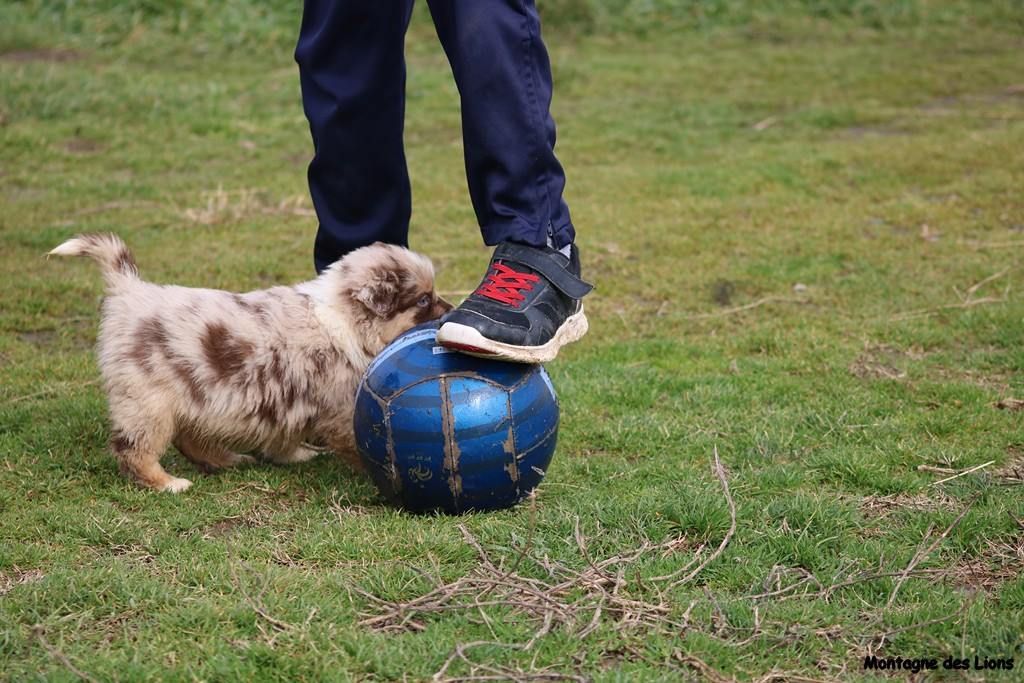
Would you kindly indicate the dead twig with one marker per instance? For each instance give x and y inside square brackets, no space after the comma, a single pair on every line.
[495,672]
[757,629]
[981,246]
[879,640]
[981,283]
[115,205]
[50,390]
[936,469]
[967,299]
[460,653]
[927,312]
[39,633]
[777,573]
[706,671]
[256,603]
[1010,404]
[578,601]
[960,474]
[825,592]
[919,556]
[720,473]
[772,676]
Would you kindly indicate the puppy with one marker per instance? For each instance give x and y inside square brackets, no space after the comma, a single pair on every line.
[215,373]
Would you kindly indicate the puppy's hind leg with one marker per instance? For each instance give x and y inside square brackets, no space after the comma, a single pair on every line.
[138,443]
[299,453]
[208,457]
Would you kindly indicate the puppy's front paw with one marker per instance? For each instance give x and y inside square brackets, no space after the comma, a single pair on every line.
[176,485]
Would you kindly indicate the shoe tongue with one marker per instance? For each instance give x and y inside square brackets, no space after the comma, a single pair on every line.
[516,265]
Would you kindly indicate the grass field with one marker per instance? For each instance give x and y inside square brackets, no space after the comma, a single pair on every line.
[807,232]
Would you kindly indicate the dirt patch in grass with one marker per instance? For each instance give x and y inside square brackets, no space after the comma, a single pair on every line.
[41,54]
[877,507]
[254,518]
[78,145]
[223,527]
[858,132]
[16,577]
[38,337]
[1010,404]
[617,656]
[263,508]
[80,334]
[993,380]
[882,361]
[116,626]
[722,292]
[1011,94]
[1012,471]
[130,551]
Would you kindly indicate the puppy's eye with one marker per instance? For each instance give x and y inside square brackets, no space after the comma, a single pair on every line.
[424,301]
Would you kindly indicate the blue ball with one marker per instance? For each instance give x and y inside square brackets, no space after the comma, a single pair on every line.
[440,430]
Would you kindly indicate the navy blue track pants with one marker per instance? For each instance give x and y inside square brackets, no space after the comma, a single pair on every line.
[352,69]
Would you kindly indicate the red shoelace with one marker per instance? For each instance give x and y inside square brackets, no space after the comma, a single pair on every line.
[506,285]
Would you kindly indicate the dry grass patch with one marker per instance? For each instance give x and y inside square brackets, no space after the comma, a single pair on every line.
[993,381]
[879,507]
[17,577]
[41,54]
[80,145]
[1012,471]
[882,361]
[221,206]
[1001,561]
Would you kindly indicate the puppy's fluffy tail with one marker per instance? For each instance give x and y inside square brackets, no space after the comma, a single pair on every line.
[108,250]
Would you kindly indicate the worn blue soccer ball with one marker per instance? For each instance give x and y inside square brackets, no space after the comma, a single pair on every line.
[443,431]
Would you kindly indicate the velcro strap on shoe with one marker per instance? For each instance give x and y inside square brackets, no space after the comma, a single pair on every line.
[542,262]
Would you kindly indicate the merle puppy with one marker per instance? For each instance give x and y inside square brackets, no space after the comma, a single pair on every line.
[215,373]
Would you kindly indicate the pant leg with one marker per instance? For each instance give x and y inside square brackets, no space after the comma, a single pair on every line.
[503,74]
[352,71]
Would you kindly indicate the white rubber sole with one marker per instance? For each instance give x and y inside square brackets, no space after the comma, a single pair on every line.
[468,340]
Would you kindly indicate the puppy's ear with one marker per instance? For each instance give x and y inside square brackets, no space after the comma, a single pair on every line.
[380,294]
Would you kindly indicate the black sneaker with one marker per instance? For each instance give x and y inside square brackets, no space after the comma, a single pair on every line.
[525,310]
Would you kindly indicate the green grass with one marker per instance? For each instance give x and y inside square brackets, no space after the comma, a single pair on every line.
[751,193]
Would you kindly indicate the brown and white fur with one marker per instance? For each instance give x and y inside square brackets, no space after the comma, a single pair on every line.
[215,372]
